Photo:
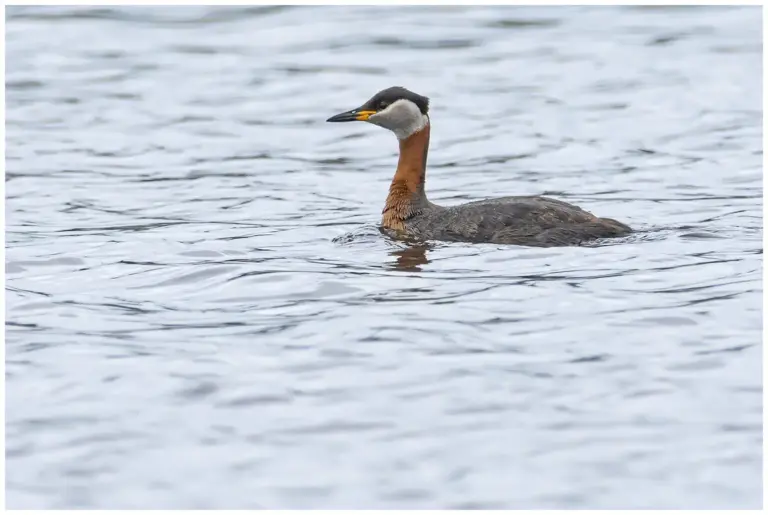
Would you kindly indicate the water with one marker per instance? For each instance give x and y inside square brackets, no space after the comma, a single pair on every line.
[201,312]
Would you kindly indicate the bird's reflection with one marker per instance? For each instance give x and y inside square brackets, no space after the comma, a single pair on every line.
[409,258]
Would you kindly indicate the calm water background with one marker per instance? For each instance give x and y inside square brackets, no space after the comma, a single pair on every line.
[201,312]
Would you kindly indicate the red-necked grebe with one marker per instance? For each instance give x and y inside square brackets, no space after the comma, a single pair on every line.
[533,221]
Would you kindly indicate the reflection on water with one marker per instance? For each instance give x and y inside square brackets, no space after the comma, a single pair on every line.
[202,313]
[410,258]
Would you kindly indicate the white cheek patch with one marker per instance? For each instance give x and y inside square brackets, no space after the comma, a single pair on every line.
[402,117]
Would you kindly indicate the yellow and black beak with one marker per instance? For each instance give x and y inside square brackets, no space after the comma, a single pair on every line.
[355,115]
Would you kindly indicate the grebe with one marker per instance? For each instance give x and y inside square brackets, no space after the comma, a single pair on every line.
[531,220]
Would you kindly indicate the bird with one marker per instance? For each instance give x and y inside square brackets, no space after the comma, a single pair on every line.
[533,221]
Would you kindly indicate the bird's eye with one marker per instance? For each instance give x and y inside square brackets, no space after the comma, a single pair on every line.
[383,106]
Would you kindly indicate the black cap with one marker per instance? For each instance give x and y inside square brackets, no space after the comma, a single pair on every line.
[388,96]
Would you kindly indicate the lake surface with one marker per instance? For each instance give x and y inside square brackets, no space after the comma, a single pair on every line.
[202,313]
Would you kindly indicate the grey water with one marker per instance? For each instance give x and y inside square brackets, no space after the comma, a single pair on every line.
[201,312]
